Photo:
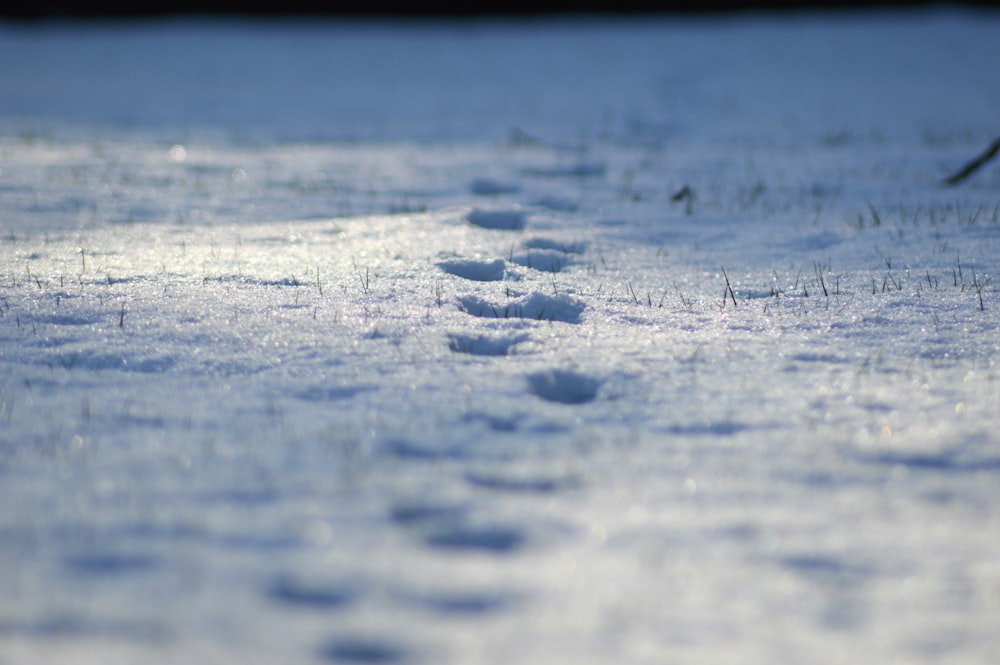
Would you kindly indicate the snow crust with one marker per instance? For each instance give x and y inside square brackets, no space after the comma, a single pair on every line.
[371,343]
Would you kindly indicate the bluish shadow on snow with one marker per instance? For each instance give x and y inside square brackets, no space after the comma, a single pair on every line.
[89,319]
[521,485]
[815,241]
[578,247]
[557,203]
[495,423]
[544,260]
[463,604]
[251,496]
[490,187]
[101,362]
[818,358]
[64,626]
[716,428]
[363,650]
[168,533]
[570,170]
[831,569]
[110,564]
[485,345]
[489,539]
[944,461]
[247,280]
[297,593]
[536,306]
[501,219]
[839,580]
[421,512]
[564,386]
[259,543]
[408,450]
[323,394]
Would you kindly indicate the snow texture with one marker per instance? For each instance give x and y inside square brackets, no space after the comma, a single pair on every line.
[385,343]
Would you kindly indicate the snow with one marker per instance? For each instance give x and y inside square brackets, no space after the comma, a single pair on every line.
[372,342]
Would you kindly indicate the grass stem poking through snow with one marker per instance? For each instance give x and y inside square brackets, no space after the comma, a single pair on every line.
[819,278]
[685,194]
[973,166]
[635,298]
[365,280]
[876,220]
[979,285]
[728,291]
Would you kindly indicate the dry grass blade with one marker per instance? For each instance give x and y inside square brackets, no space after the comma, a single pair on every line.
[974,165]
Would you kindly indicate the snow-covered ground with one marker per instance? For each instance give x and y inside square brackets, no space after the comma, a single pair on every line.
[367,343]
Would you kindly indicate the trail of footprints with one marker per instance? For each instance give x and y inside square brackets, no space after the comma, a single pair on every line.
[459,527]
[537,253]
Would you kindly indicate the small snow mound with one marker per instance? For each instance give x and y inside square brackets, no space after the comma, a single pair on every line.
[545,260]
[564,386]
[502,219]
[474,270]
[489,187]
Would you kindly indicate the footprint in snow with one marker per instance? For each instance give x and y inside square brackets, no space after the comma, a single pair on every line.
[536,306]
[485,345]
[308,595]
[578,247]
[564,386]
[474,270]
[465,603]
[545,260]
[363,650]
[570,170]
[521,484]
[558,203]
[489,539]
[503,219]
[490,187]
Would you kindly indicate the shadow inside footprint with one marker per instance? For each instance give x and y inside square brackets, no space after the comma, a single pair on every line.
[535,306]
[485,345]
[545,260]
[110,564]
[470,538]
[578,247]
[511,219]
[465,604]
[360,650]
[563,386]
[316,596]
[490,187]
[520,485]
